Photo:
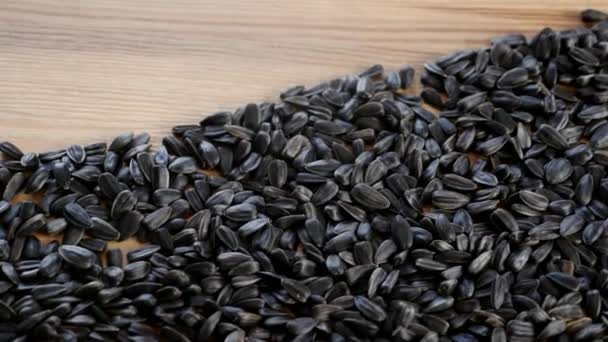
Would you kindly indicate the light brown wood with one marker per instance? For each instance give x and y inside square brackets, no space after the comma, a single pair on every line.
[85,71]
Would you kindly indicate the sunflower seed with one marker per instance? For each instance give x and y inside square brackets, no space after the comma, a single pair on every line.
[450,200]
[564,280]
[571,224]
[10,150]
[369,309]
[296,290]
[504,220]
[325,193]
[369,197]
[557,170]
[277,173]
[551,137]
[77,256]
[13,186]
[124,202]
[103,230]
[513,78]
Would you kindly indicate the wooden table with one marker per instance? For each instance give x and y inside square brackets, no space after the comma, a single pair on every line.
[85,71]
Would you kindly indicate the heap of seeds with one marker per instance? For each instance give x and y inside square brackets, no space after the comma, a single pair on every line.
[344,212]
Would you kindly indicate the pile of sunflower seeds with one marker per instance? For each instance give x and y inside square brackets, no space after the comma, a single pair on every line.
[344,212]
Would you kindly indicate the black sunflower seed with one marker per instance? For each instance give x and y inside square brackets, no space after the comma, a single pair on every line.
[296,290]
[13,186]
[564,280]
[123,202]
[75,215]
[571,224]
[492,146]
[277,173]
[370,309]
[513,78]
[37,180]
[369,197]
[32,225]
[592,15]
[78,257]
[584,189]
[76,153]
[557,170]
[450,200]
[137,270]
[241,212]
[534,200]
[102,230]
[583,56]
[325,193]
[552,137]
[185,165]
[593,231]
[10,150]
[504,220]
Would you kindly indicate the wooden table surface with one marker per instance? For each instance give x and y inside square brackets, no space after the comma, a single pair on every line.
[78,71]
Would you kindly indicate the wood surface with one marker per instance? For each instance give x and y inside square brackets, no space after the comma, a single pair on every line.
[79,71]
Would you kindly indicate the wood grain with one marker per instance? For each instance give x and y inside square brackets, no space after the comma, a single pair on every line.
[85,71]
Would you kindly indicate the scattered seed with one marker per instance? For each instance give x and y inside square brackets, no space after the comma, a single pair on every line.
[344,211]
